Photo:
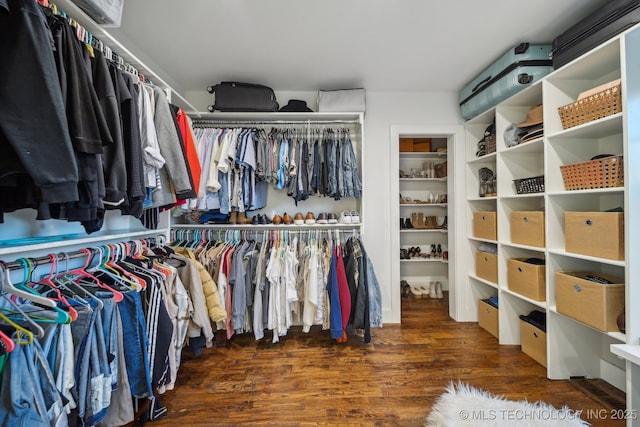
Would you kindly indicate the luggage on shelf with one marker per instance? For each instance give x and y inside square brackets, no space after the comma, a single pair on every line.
[237,97]
[515,70]
[603,24]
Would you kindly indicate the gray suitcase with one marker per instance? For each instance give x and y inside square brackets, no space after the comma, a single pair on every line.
[515,70]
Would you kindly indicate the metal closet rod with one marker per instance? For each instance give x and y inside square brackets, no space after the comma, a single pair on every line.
[62,256]
[197,122]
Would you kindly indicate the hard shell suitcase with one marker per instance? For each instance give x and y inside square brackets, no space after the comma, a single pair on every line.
[236,96]
[605,23]
[516,69]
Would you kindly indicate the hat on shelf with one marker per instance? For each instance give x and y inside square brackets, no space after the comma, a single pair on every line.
[534,117]
[296,106]
[533,133]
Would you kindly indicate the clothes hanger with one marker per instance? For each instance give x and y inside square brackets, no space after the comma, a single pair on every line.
[21,332]
[46,280]
[62,316]
[27,294]
[80,276]
[8,345]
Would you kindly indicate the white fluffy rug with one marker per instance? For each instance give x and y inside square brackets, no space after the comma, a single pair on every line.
[465,406]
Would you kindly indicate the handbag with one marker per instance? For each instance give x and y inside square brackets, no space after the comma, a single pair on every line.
[343,100]
[236,96]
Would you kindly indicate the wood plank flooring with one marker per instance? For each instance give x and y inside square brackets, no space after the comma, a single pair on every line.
[311,380]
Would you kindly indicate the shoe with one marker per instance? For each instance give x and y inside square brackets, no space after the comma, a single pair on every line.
[425,291]
[355,217]
[242,218]
[277,219]
[332,218]
[298,219]
[407,223]
[322,218]
[405,288]
[345,217]
[438,290]
[416,291]
[402,227]
[256,219]
[432,290]
[233,217]
[286,219]
[310,218]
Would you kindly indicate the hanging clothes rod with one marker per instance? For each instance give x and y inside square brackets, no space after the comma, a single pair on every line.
[62,256]
[205,122]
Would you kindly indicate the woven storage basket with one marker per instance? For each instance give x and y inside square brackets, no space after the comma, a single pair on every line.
[529,185]
[594,107]
[601,173]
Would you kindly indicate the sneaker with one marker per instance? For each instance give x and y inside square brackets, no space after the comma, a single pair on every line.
[355,217]
[322,218]
[345,217]
[298,219]
[332,218]
[310,218]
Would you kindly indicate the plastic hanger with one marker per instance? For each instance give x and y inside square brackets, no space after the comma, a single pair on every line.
[82,276]
[7,343]
[30,295]
[21,332]
[62,316]
[47,280]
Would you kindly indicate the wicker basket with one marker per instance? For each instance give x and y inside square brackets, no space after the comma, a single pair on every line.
[593,107]
[601,173]
[529,185]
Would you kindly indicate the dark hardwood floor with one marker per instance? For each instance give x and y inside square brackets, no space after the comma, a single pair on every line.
[311,380]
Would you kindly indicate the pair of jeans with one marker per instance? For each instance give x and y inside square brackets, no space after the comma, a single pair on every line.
[135,344]
[352,184]
[28,394]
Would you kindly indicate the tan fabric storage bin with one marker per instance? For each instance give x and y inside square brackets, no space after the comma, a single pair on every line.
[598,234]
[533,342]
[487,266]
[591,303]
[485,225]
[526,279]
[488,318]
[527,228]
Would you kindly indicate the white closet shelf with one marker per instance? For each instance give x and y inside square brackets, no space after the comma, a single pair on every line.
[444,261]
[486,282]
[425,230]
[477,239]
[630,352]
[265,226]
[424,179]
[618,336]
[52,242]
[619,263]
[606,126]
[423,155]
[516,245]
[592,191]
[435,205]
[541,304]
[275,117]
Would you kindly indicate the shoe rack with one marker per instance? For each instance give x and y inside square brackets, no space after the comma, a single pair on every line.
[423,211]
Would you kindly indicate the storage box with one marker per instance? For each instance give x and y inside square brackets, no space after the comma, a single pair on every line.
[488,318]
[589,302]
[527,228]
[526,279]
[406,145]
[487,266]
[422,144]
[485,225]
[598,234]
[533,342]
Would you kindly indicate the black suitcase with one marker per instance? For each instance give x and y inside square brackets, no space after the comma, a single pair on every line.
[236,96]
[603,24]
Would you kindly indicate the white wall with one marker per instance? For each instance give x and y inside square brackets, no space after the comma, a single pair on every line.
[384,109]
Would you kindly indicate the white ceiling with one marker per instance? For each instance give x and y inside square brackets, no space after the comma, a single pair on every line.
[305,45]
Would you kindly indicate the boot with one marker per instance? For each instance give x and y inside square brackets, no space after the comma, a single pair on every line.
[444,224]
[431,222]
[233,217]
[402,227]
[438,289]
[408,224]
[432,290]
[242,218]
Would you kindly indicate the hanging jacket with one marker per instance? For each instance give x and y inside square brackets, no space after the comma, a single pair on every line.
[215,309]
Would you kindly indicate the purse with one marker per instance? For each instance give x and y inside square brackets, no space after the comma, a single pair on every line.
[236,96]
